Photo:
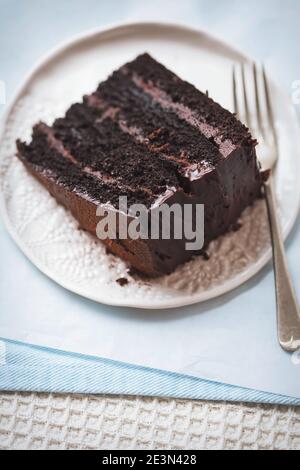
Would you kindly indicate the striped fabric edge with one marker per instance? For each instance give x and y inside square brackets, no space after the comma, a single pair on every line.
[29,368]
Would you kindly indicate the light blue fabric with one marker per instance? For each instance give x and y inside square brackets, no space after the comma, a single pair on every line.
[29,368]
[266,29]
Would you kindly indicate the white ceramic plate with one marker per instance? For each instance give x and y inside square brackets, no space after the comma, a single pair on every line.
[48,234]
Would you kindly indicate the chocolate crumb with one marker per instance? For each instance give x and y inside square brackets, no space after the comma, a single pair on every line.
[122,281]
[205,256]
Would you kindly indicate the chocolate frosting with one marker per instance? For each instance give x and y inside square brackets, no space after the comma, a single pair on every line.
[155,138]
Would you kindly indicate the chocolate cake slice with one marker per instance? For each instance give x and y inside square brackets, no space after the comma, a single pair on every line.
[148,135]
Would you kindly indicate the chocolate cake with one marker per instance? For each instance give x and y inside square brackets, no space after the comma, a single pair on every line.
[148,135]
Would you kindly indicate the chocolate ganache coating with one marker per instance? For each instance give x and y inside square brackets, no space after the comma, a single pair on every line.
[148,135]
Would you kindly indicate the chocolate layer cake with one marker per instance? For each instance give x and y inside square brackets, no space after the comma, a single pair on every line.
[148,135]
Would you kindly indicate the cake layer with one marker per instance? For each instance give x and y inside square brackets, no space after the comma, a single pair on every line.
[154,138]
[101,144]
[48,157]
[82,194]
[164,131]
[182,97]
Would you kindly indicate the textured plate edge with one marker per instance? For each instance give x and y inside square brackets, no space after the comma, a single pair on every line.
[204,296]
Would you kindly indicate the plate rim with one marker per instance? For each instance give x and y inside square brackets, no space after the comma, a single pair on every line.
[181,301]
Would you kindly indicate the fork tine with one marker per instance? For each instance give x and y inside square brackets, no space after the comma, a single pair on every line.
[235,97]
[269,106]
[245,95]
[257,101]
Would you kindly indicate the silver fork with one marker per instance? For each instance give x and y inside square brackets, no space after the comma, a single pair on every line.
[288,312]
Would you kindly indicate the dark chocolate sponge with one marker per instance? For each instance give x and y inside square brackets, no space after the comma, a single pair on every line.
[153,137]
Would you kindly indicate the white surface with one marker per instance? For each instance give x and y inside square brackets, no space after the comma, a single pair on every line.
[48,234]
[230,339]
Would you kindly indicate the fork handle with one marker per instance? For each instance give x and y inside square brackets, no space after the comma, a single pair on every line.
[288,313]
